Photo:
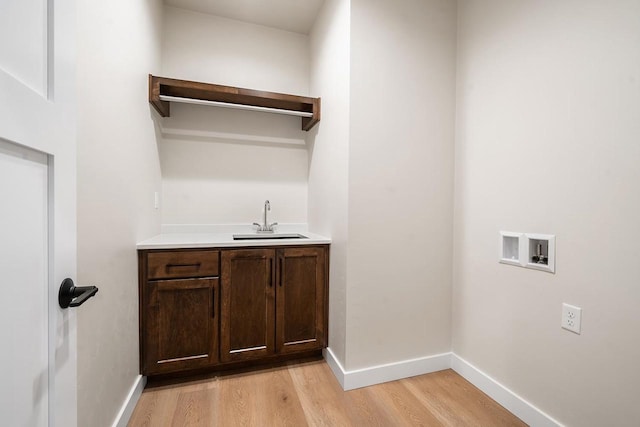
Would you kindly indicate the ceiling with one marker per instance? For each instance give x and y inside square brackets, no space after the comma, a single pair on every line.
[290,15]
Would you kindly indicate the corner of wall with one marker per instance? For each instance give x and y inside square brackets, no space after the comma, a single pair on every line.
[328,153]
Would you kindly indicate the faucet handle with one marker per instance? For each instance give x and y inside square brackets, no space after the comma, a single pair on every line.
[258,225]
[272,225]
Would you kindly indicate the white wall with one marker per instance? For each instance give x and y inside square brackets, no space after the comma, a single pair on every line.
[219,165]
[118,171]
[211,49]
[547,141]
[202,186]
[328,145]
[400,180]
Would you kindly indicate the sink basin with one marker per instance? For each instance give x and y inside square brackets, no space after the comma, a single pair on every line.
[267,236]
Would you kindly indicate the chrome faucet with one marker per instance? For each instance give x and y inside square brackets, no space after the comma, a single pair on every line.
[266,227]
[267,207]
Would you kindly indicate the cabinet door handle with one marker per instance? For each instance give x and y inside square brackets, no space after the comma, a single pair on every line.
[213,302]
[272,279]
[281,269]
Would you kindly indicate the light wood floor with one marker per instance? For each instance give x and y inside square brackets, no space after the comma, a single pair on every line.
[308,394]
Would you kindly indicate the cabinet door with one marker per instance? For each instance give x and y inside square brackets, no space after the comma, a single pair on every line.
[181,325]
[247,295]
[300,299]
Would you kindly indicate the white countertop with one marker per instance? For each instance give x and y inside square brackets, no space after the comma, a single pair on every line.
[223,238]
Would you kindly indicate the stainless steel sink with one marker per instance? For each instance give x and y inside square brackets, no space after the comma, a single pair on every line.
[268,236]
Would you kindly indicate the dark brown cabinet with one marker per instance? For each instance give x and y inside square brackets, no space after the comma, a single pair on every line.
[216,308]
[181,328]
[178,311]
[248,296]
[273,301]
[300,299]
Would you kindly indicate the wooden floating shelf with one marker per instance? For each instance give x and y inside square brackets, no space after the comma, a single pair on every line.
[163,91]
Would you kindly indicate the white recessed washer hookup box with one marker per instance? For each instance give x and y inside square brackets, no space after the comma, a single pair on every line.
[510,248]
[528,250]
[541,252]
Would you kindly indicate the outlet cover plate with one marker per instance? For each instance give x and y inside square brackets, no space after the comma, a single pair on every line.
[571,318]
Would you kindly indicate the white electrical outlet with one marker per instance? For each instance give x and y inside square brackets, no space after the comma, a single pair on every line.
[571,318]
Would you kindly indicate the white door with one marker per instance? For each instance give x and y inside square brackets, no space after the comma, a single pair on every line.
[37,212]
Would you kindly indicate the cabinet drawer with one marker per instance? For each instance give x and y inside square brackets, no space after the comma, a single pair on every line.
[176,264]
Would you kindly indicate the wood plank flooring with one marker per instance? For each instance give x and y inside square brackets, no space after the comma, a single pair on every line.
[308,394]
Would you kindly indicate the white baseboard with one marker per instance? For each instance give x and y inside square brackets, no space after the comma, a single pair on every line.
[357,378]
[518,406]
[130,402]
[334,364]
[501,394]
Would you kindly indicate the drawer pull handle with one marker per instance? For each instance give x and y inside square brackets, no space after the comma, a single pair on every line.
[197,265]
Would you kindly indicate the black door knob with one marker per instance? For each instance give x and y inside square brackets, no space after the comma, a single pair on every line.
[70,295]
